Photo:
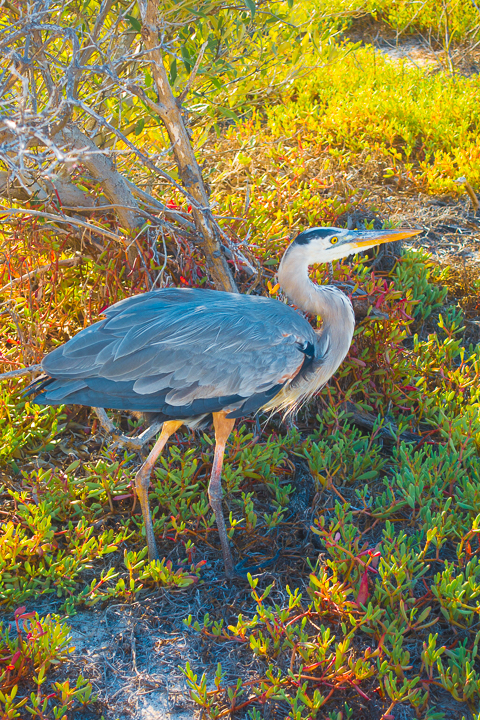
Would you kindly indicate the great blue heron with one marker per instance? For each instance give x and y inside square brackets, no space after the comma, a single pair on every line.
[188,354]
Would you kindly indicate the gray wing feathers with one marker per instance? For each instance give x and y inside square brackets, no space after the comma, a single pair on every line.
[195,343]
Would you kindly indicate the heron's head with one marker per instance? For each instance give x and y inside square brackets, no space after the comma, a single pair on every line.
[322,245]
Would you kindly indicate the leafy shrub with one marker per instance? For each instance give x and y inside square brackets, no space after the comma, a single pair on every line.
[417,272]
[28,655]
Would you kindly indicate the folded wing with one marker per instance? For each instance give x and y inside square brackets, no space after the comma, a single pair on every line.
[181,352]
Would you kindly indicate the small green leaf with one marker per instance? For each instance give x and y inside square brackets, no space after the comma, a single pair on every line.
[134,22]
[229,113]
[216,82]
[187,60]
[198,13]
[173,72]
[251,6]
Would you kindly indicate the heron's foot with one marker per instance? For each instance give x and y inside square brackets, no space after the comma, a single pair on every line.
[135,443]
[125,442]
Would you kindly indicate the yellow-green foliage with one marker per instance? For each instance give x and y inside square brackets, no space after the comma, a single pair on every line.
[400,124]
[450,20]
[416,272]
[423,124]
[24,426]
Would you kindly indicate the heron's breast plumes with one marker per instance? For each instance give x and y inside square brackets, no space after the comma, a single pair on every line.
[332,345]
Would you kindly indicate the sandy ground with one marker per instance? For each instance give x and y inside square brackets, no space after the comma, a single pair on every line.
[131,655]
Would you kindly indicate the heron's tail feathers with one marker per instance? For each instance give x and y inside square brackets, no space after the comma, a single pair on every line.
[37,385]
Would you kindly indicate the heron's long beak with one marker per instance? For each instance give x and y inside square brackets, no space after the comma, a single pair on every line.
[363,238]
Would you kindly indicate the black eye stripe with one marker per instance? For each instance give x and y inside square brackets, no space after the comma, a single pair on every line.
[312,234]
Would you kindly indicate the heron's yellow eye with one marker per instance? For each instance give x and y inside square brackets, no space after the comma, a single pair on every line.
[333,240]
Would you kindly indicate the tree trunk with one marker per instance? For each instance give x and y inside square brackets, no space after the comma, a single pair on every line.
[188,168]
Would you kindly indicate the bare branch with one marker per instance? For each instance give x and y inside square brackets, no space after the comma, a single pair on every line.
[101,167]
[193,75]
[188,168]
[52,69]
[19,373]
[62,219]
[67,193]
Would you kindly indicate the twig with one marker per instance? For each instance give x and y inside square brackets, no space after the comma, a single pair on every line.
[157,205]
[193,74]
[389,431]
[62,219]
[22,371]
[140,93]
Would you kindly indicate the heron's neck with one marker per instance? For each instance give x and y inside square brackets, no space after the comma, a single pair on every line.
[327,301]
[334,338]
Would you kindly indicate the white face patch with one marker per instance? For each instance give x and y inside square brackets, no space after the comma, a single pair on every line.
[323,245]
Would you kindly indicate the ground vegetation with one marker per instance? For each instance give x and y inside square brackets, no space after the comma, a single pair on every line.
[367,504]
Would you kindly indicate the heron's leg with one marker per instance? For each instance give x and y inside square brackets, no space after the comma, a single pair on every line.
[142,482]
[223,427]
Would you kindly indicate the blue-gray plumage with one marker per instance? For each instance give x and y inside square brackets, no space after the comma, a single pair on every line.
[181,353]
[187,354]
